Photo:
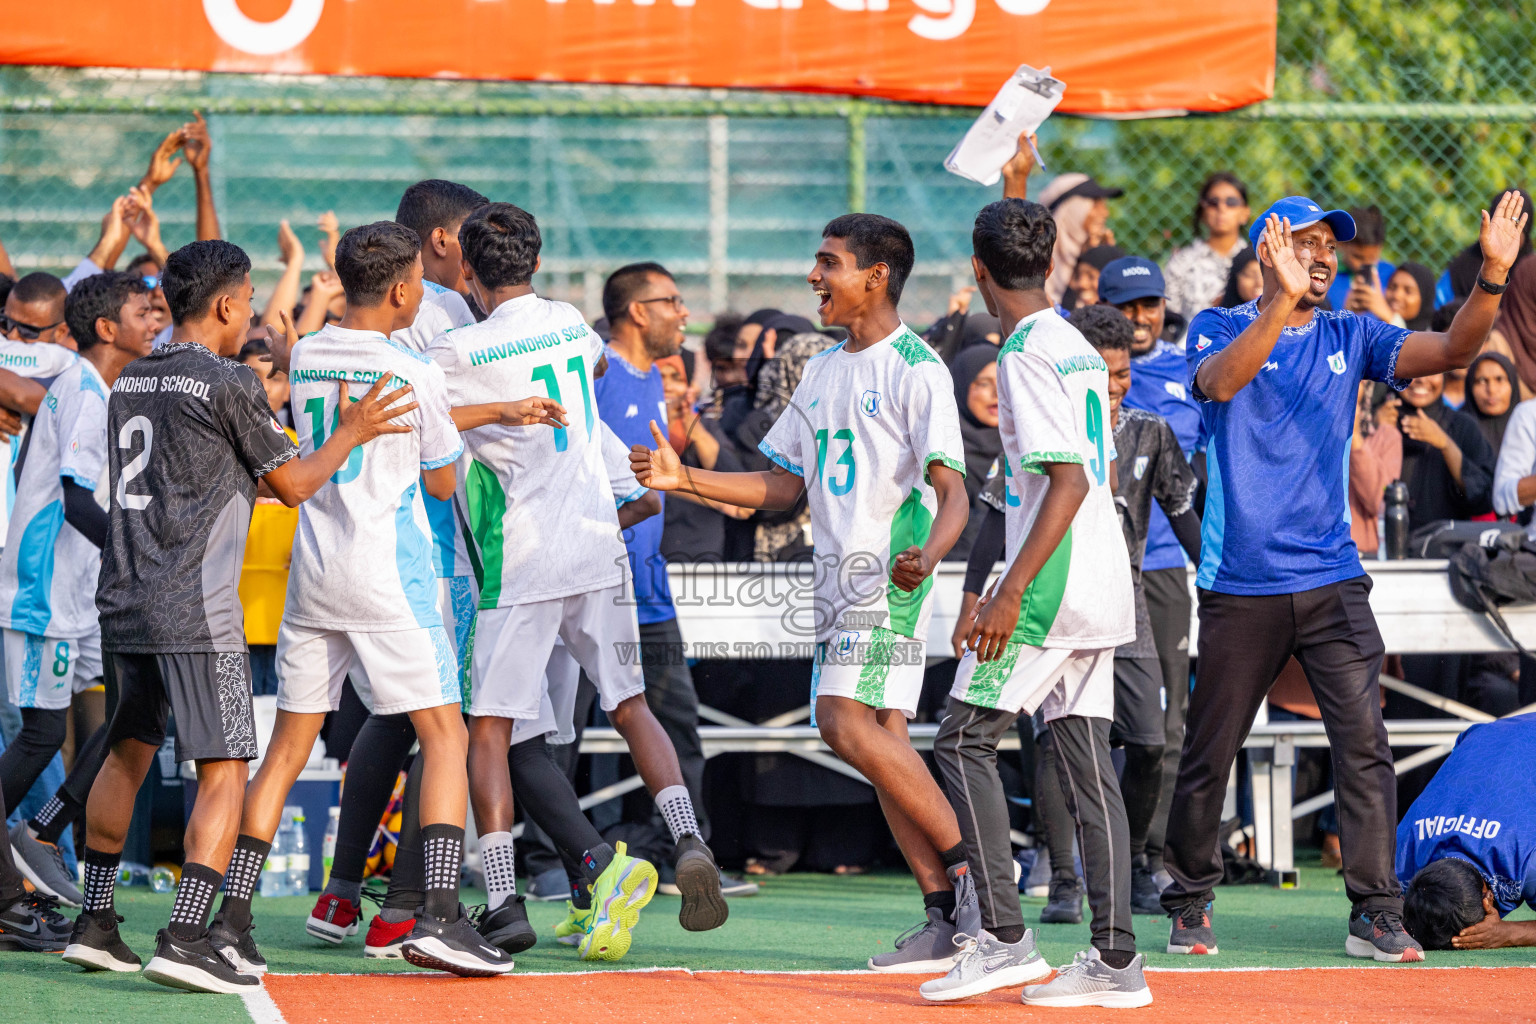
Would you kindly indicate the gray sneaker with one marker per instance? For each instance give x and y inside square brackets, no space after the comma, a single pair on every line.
[927,948]
[1089,981]
[967,906]
[43,865]
[1381,936]
[987,965]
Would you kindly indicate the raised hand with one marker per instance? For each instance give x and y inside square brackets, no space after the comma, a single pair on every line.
[1502,234]
[280,344]
[1281,250]
[659,469]
[1017,170]
[144,223]
[330,228]
[374,414]
[198,144]
[289,248]
[324,287]
[530,412]
[162,166]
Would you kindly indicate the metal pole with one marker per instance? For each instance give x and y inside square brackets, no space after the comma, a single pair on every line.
[719,210]
[858,159]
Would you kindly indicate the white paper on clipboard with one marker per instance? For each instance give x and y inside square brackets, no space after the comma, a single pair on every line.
[1021,105]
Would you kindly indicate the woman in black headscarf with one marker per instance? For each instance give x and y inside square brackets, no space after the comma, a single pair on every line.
[1491,397]
[1245,281]
[975,375]
[1447,464]
[1411,295]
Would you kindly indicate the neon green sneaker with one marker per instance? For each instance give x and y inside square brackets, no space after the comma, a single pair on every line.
[620,892]
[575,925]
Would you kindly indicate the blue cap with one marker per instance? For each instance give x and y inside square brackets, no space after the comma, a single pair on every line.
[1130,278]
[1303,212]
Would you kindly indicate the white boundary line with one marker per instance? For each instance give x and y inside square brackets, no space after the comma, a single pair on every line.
[259,1004]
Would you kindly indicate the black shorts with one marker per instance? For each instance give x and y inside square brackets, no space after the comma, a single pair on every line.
[1138,702]
[209,693]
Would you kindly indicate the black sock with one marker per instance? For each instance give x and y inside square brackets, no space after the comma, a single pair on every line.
[442,851]
[596,860]
[240,881]
[100,877]
[952,856]
[194,898]
[944,899]
[1009,933]
[1119,959]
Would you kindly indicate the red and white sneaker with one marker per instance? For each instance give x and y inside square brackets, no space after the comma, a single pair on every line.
[385,939]
[333,918]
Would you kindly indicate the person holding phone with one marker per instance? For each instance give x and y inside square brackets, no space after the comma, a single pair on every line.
[1361,266]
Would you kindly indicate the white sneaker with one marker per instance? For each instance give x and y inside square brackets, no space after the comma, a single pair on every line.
[1089,981]
[987,965]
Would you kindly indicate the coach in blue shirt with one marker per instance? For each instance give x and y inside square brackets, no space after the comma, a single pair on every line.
[646,315]
[1277,380]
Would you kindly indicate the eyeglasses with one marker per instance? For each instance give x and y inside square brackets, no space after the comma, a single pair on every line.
[26,331]
[1216,202]
[676,300]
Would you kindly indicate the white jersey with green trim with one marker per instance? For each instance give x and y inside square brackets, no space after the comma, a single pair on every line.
[862,429]
[1053,406]
[539,501]
[41,361]
[362,553]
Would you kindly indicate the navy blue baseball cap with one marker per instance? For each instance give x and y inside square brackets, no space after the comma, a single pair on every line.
[1130,278]
[1303,212]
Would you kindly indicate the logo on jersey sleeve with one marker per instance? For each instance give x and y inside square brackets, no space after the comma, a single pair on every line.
[1336,362]
[870,403]
[1203,344]
[1141,466]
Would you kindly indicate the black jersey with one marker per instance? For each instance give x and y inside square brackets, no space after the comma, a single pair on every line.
[188,434]
[1149,464]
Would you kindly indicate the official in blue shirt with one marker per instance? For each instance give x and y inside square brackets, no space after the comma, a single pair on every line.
[1135,286]
[1277,380]
[1466,849]
[646,316]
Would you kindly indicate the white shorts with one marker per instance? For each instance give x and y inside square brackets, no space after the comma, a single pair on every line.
[872,666]
[46,672]
[557,708]
[393,672]
[1080,683]
[513,645]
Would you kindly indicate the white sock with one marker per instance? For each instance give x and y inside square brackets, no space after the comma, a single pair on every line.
[500,870]
[677,809]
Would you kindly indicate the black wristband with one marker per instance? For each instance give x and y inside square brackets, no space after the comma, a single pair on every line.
[1489,287]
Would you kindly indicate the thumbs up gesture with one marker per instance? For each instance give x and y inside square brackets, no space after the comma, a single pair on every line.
[659,469]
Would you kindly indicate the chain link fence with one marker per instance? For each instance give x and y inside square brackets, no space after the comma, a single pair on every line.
[1425,108]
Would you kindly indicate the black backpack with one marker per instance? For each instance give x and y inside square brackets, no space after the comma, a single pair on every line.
[1501,570]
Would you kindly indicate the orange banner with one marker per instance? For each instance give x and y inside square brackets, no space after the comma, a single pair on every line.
[1116,56]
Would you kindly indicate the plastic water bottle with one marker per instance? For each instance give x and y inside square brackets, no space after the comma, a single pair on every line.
[298,857]
[1395,536]
[274,873]
[132,873]
[164,878]
[328,847]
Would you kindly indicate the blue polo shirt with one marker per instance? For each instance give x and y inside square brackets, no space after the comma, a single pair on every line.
[1157,385]
[627,400]
[1277,455]
[1480,807]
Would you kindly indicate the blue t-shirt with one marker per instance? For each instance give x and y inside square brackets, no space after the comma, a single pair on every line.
[1277,455]
[628,400]
[1339,290]
[1480,807]
[1157,385]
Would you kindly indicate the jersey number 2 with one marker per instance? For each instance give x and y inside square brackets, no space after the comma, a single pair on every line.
[135,466]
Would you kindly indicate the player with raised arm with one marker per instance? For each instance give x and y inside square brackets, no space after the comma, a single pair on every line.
[872,438]
[189,434]
[543,519]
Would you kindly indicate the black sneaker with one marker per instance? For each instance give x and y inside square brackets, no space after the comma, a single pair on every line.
[507,926]
[1146,897]
[1192,931]
[698,881]
[24,925]
[1064,905]
[237,946]
[194,966]
[96,945]
[1380,935]
[453,946]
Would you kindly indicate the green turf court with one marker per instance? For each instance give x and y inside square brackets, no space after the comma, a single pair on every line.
[799,922]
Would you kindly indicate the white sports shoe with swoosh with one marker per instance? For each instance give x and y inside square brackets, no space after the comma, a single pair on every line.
[986,966]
